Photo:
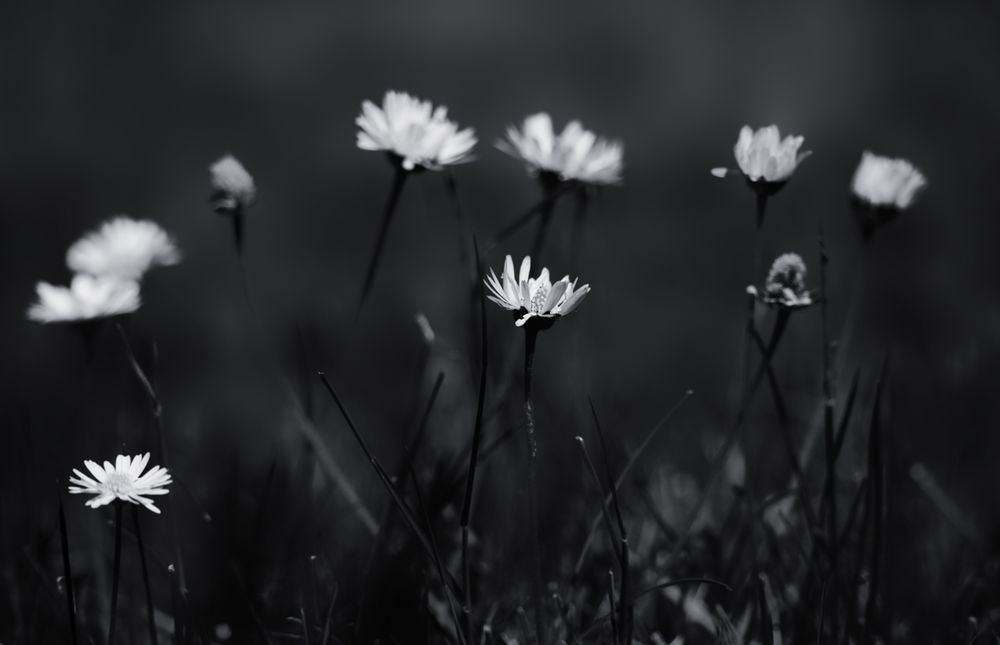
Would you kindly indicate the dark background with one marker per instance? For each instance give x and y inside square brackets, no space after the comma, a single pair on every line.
[120,108]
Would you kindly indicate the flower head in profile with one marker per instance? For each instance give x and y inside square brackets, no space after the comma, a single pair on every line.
[786,284]
[881,182]
[575,154]
[87,298]
[123,248]
[233,189]
[534,298]
[764,157]
[414,133]
[123,481]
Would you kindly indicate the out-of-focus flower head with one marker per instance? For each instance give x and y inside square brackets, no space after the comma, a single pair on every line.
[534,298]
[786,284]
[123,248]
[576,154]
[87,298]
[882,182]
[123,481]
[233,189]
[764,158]
[414,133]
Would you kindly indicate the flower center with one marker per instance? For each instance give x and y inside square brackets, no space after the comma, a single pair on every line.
[118,482]
[538,300]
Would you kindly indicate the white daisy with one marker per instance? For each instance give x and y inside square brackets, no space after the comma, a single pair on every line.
[575,154]
[414,131]
[124,480]
[763,156]
[786,283]
[123,248]
[534,297]
[87,298]
[232,186]
[881,182]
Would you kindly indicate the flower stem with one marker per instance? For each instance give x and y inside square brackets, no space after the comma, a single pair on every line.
[543,224]
[398,180]
[579,221]
[145,576]
[67,570]
[116,571]
[530,336]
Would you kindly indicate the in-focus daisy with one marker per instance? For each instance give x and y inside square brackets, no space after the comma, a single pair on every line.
[87,298]
[124,481]
[882,182]
[786,284]
[537,298]
[764,157]
[233,189]
[123,248]
[414,133]
[576,154]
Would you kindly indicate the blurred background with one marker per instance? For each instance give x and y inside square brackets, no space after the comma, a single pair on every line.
[121,108]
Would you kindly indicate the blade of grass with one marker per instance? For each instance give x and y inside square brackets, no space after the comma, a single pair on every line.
[438,564]
[477,432]
[397,499]
[624,600]
[632,460]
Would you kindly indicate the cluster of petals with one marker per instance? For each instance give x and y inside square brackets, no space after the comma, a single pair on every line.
[576,154]
[416,132]
[763,156]
[109,264]
[882,182]
[534,297]
[786,283]
[233,188]
[87,298]
[122,248]
[123,480]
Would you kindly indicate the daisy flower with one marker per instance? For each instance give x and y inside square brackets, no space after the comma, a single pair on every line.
[123,481]
[882,182]
[123,248]
[87,298]
[414,133]
[764,157]
[534,297]
[233,189]
[576,154]
[786,283]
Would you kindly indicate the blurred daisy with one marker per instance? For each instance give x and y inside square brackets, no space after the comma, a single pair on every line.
[786,283]
[123,248]
[881,182]
[414,133]
[575,154]
[534,297]
[764,157]
[233,189]
[123,481]
[87,298]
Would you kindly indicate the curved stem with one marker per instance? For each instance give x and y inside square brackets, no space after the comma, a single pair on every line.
[390,208]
